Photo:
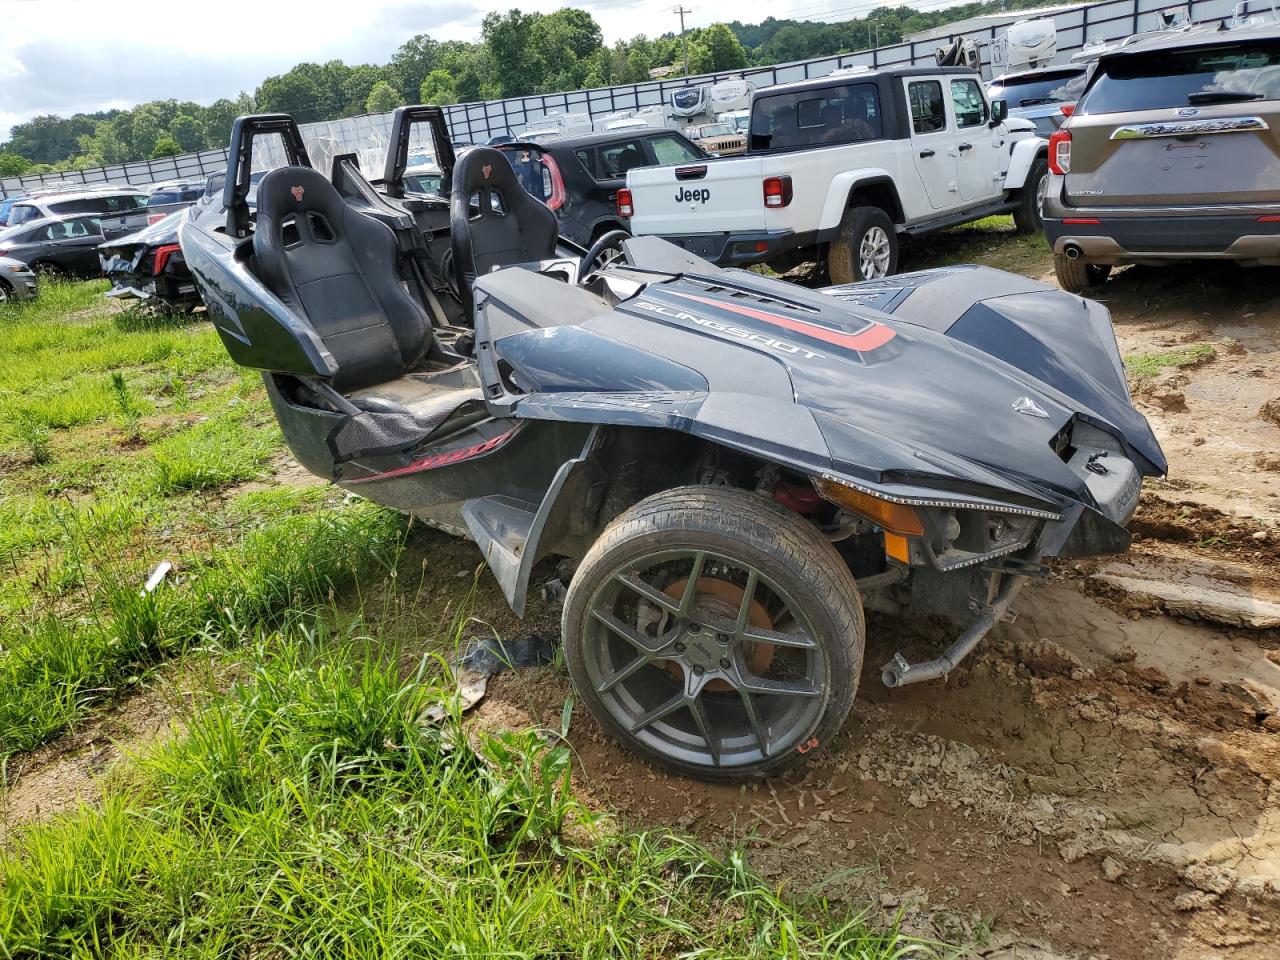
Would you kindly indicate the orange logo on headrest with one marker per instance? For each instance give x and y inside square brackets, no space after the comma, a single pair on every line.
[486,170]
[297,193]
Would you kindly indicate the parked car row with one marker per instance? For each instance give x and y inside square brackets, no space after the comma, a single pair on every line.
[126,234]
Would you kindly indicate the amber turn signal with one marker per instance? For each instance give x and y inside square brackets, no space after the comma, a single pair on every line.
[894,517]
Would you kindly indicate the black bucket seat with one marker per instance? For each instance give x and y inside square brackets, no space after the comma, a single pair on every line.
[336,268]
[494,221]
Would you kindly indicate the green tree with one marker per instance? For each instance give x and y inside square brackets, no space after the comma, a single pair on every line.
[187,131]
[294,93]
[218,117]
[383,98]
[508,39]
[438,88]
[165,146]
[725,50]
[13,164]
[144,131]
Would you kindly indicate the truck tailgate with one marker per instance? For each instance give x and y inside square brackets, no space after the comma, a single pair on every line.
[715,196]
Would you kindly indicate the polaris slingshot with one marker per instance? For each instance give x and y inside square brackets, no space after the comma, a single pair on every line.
[736,465]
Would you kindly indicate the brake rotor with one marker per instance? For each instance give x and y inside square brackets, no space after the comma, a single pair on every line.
[722,599]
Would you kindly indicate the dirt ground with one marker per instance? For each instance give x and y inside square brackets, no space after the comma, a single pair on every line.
[1102,779]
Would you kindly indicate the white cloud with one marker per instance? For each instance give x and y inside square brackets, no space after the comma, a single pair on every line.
[65,56]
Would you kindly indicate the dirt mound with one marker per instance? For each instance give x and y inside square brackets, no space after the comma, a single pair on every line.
[1209,530]
[1270,411]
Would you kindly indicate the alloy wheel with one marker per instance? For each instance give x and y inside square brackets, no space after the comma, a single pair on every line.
[874,253]
[704,660]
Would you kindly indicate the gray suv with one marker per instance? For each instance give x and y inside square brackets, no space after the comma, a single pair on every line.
[118,211]
[1172,153]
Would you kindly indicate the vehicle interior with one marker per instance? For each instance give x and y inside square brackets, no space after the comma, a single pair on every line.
[382,282]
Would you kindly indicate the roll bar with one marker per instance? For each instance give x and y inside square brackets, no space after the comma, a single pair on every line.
[235,190]
[402,122]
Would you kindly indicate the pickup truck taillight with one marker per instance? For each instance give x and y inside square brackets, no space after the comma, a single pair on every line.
[777,191]
[625,209]
[155,218]
[1060,152]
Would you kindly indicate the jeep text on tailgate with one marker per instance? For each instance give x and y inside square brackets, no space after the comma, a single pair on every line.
[840,167]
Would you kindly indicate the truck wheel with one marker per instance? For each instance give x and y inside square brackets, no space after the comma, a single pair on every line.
[714,632]
[1027,215]
[866,248]
[1077,275]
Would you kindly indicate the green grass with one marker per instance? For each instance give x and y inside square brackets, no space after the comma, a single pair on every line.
[1144,367]
[310,813]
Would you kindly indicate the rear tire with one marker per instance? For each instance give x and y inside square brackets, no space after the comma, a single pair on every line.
[5,290]
[1026,216]
[49,270]
[866,247]
[1075,276]
[717,643]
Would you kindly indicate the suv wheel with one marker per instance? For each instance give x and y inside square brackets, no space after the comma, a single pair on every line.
[714,632]
[5,290]
[1077,275]
[1027,214]
[866,247]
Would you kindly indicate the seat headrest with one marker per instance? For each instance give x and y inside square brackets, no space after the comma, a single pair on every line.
[482,169]
[295,190]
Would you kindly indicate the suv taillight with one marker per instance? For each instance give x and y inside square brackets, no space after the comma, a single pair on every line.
[558,193]
[1060,152]
[777,191]
[1068,109]
[625,209]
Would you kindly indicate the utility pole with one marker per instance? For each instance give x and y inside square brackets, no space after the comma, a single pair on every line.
[683,42]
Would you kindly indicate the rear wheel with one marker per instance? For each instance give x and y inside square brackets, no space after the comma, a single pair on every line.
[1075,276]
[50,270]
[714,632]
[866,247]
[1027,217]
[6,291]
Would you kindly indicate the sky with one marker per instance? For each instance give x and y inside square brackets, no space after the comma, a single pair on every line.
[69,56]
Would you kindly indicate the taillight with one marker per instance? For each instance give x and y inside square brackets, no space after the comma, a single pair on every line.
[162,256]
[1068,109]
[777,191]
[155,218]
[625,209]
[1060,152]
[558,194]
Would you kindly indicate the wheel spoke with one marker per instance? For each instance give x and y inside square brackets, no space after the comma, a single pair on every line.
[659,599]
[691,585]
[800,641]
[753,718]
[646,645]
[703,722]
[657,713]
[748,594]
[622,673]
[774,688]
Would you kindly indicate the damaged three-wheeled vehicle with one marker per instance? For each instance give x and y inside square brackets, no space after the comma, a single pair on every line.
[734,466]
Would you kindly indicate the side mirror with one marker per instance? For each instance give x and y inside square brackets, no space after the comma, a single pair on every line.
[999,112]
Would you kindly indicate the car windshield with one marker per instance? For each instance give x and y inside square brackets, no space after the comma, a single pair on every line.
[1235,72]
[716,130]
[1059,86]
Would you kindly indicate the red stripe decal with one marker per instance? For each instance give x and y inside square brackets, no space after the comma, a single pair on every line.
[876,335]
[441,459]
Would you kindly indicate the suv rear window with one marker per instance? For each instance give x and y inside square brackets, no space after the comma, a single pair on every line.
[1058,86]
[104,203]
[849,113]
[1231,73]
[669,149]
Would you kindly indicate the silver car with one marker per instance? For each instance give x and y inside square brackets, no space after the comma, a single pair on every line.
[1172,154]
[119,211]
[17,282]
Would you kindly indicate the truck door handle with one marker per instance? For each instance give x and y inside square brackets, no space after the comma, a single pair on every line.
[926,154]
[965,146]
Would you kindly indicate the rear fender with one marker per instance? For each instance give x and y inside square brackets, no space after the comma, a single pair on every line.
[842,188]
[1025,153]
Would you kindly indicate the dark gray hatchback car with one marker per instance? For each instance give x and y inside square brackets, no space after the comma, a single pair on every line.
[1172,154]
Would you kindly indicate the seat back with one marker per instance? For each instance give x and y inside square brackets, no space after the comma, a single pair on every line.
[506,225]
[336,268]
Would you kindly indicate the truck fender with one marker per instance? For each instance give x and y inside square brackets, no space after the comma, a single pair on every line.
[1024,155]
[843,184]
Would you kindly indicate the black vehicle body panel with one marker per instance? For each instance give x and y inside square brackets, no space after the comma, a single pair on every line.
[73,248]
[960,388]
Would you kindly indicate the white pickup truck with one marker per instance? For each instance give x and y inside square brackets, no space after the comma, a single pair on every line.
[843,166]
